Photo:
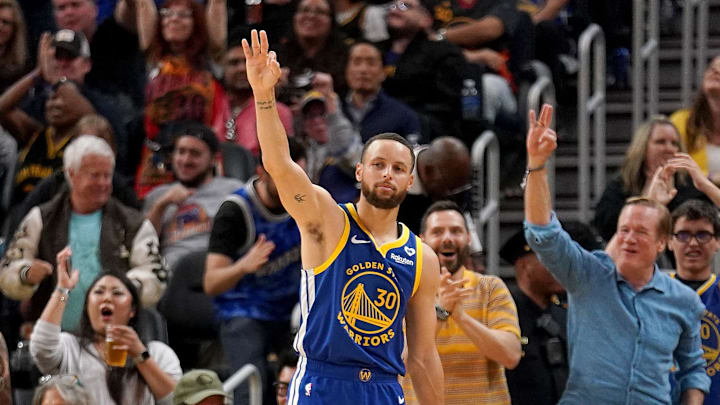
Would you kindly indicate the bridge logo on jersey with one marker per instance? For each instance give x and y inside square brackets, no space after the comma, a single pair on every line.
[710,342]
[370,303]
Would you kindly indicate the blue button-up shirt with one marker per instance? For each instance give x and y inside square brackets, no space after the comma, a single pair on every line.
[621,342]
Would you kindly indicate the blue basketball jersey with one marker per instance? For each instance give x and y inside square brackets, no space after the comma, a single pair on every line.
[270,293]
[710,334]
[353,304]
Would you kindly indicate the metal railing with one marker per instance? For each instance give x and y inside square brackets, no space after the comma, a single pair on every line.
[486,196]
[543,91]
[694,46]
[248,371]
[646,44]
[591,45]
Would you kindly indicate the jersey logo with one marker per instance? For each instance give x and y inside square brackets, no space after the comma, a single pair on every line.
[401,260]
[365,375]
[409,251]
[710,342]
[369,307]
[308,389]
[357,241]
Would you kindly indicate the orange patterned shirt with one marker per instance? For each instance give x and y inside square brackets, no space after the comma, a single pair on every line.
[470,378]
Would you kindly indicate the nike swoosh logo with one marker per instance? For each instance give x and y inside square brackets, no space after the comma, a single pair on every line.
[401,400]
[357,241]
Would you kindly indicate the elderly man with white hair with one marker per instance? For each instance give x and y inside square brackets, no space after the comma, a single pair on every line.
[101,232]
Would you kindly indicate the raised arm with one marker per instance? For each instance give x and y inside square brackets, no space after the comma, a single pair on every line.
[311,206]
[423,361]
[541,142]
[46,346]
[146,20]
[217,27]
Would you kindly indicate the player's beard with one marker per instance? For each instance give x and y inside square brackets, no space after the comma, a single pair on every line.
[385,203]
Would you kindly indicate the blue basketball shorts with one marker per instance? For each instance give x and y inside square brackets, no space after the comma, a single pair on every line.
[320,383]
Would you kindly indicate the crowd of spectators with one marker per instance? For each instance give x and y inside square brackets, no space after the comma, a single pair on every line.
[120,120]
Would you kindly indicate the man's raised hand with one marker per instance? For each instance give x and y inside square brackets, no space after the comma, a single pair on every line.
[541,140]
[263,69]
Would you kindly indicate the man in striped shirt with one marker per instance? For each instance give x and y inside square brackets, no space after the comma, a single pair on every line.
[478,334]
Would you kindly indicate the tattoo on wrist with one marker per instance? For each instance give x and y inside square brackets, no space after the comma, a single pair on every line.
[265,105]
[300,198]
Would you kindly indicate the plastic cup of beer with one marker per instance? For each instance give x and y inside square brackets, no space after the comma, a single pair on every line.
[114,357]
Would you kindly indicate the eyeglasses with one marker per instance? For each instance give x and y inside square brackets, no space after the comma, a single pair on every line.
[313,11]
[281,387]
[701,237]
[170,13]
[67,379]
[401,6]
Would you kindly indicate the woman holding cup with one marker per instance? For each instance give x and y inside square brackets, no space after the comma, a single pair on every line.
[150,372]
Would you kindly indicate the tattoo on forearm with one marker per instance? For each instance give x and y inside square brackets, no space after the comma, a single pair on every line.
[265,105]
[300,198]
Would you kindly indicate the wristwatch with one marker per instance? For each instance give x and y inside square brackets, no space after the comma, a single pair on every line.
[529,170]
[441,313]
[142,357]
[440,34]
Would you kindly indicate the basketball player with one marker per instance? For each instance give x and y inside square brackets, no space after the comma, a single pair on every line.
[363,271]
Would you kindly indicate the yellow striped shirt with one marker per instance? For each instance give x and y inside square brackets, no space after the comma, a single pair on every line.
[470,378]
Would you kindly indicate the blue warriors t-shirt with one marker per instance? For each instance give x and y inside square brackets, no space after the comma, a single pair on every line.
[353,305]
[270,294]
[709,294]
[85,246]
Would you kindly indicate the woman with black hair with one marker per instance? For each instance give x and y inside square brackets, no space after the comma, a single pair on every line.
[111,308]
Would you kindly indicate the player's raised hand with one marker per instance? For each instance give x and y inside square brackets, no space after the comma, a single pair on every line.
[263,69]
[541,140]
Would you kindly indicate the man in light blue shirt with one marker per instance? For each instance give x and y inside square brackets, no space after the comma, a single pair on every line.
[626,319]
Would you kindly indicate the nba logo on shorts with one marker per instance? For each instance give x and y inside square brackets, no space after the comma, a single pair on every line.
[308,389]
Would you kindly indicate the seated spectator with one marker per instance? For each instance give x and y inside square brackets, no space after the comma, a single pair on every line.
[694,242]
[116,65]
[253,271]
[325,131]
[5,386]
[359,21]
[287,365]
[41,147]
[49,187]
[200,387]
[240,124]
[148,372]
[367,105]
[8,162]
[424,74]
[66,56]
[102,232]
[653,144]
[493,32]
[13,45]
[181,86]
[63,389]
[699,125]
[477,333]
[315,45]
[183,211]
[443,170]
[558,25]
